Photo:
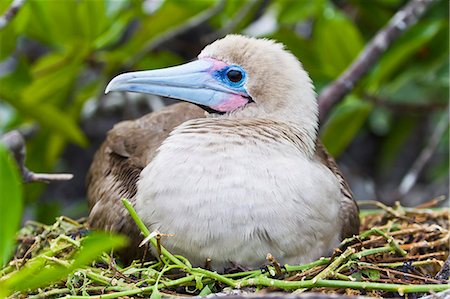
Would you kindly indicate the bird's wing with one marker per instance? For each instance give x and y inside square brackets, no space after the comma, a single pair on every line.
[349,213]
[116,167]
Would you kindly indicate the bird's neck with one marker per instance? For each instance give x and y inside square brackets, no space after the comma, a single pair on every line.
[278,127]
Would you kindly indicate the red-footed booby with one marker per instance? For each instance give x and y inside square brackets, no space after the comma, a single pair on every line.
[247,178]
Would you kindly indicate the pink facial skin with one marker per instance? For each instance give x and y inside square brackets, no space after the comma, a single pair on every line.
[216,64]
[230,103]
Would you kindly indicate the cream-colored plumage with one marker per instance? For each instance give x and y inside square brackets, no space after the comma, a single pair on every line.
[231,187]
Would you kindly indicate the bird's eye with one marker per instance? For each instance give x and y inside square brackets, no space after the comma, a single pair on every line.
[234,75]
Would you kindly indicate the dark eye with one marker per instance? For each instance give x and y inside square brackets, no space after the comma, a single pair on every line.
[234,75]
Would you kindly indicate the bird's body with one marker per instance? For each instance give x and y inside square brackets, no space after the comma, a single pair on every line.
[231,187]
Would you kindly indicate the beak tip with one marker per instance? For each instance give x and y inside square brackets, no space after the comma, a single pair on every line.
[109,87]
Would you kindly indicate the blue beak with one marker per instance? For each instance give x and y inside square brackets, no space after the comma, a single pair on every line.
[193,82]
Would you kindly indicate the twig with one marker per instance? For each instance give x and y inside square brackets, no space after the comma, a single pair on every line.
[427,244]
[334,265]
[415,263]
[399,23]
[15,142]
[411,176]
[275,264]
[291,285]
[431,203]
[10,13]
[400,273]
[379,204]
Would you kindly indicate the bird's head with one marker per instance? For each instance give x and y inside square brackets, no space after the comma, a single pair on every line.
[236,76]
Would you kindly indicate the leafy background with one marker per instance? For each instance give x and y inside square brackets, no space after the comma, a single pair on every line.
[56,58]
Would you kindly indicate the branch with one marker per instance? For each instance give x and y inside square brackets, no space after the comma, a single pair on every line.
[410,178]
[11,12]
[399,23]
[16,144]
[405,107]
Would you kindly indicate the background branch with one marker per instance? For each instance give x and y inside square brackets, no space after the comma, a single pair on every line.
[400,22]
[11,12]
[15,142]
[405,107]
[411,176]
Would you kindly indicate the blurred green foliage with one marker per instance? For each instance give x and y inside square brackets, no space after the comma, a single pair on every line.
[41,270]
[11,204]
[59,54]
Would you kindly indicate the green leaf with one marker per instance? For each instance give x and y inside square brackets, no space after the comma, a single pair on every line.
[155,26]
[114,30]
[91,18]
[8,40]
[39,271]
[10,204]
[344,123]
[52,118]
[206,291]
[372,274]
[380,120]
[357,276]
[338,42]
[54,77]
[159,59]
[294,11]
[156,294]
[393,142]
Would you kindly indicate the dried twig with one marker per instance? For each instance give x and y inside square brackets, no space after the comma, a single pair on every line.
[14,141]
[11,12]
[274,263]
[411,176]
[400,22]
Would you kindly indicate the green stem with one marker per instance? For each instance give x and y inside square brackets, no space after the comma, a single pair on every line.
[400,264]
[54,292]
[376,231]
[137,290]
[367,252]
[98,278]
[321,261]
[336,263]
[146,233]
[290,285]
[216,276]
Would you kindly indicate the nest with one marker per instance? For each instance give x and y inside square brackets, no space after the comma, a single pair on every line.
[399,251]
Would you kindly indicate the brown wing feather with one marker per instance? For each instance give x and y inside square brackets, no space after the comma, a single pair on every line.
[116,167]
[349,213]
